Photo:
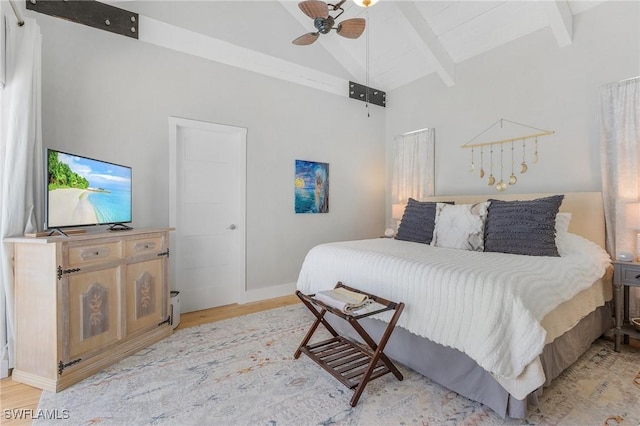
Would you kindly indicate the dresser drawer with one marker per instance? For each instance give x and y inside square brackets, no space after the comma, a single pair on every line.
[630,276]
[142,246]
[89,254]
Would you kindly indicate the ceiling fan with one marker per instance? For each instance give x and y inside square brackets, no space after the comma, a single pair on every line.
[319,12]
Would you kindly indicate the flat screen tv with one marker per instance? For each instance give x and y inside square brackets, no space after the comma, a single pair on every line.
[82,191]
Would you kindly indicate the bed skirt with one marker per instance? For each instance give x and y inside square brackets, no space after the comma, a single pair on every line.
[459,373]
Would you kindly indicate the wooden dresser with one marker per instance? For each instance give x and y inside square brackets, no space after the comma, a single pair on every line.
[85,301]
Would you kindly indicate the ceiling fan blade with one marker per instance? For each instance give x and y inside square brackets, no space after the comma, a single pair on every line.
[351,28]
[314,9]
[306,39]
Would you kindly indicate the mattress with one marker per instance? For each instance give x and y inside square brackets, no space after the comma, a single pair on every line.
[557,323]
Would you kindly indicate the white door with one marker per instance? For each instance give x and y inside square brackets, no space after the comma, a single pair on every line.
[207,210]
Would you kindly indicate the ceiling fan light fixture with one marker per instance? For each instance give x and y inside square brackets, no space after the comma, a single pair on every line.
[365,3]
[324,22]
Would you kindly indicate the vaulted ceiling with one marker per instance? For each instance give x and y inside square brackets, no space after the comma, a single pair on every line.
[404,40]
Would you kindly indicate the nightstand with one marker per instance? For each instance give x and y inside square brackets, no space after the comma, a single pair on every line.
[625,275]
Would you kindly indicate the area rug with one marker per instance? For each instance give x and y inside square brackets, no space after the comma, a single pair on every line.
[242,372]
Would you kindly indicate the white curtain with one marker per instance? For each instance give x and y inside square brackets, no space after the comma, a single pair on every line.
[413,166]
[21,165]
[620,155]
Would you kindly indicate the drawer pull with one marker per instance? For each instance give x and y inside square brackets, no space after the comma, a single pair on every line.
[145,246]
[638,277]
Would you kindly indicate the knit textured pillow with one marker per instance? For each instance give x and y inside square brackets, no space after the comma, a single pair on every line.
[523,227]
[417,222]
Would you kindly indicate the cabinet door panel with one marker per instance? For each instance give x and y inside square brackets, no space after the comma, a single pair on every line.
[94,314]
[145,294]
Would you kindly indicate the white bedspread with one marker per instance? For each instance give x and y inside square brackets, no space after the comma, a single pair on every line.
[487,305]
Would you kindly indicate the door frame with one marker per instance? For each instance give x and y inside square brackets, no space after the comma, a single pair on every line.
[175,123]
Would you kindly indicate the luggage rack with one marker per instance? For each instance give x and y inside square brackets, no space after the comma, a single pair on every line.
[354,365]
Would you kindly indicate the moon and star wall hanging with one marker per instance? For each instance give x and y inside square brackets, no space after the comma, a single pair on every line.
[516,149]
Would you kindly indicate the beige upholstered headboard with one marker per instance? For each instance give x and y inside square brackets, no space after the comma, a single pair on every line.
[586,208]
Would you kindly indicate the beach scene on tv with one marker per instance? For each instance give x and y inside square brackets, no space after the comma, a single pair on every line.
[83,191]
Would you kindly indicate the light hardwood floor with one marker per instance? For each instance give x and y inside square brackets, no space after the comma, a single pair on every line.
[16,398]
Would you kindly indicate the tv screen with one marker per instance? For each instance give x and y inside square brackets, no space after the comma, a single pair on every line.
[83,191]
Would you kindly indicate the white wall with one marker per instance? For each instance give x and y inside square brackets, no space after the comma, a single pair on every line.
[109,97]
[532,81]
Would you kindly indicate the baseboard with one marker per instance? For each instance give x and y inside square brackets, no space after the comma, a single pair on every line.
[269,292]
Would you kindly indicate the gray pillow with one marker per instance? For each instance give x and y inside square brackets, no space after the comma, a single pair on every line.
[417,222]
[523,227]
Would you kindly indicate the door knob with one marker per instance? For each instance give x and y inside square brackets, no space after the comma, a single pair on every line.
[232,227]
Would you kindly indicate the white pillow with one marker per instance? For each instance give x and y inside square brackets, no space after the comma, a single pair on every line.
[562,223]
[460,226]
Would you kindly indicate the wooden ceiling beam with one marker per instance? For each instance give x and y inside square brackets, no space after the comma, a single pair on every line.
[560,21]
[182,40]
[442,62]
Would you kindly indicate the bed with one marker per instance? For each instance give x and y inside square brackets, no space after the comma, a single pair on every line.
[495,326]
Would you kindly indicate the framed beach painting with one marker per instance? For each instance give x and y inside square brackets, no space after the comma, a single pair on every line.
[311,186]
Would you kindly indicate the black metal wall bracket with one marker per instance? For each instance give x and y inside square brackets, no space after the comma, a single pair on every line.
[91,13]
[367,94]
